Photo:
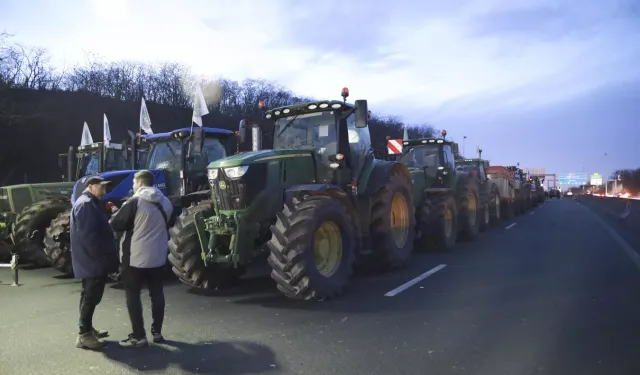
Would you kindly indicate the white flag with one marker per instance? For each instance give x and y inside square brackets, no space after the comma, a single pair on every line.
[106,131]
[199,106]
[145,120]
[87,139]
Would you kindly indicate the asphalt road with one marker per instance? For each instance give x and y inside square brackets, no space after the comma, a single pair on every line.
[555,293]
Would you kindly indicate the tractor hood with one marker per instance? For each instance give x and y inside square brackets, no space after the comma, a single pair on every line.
[121,184]
[257,157]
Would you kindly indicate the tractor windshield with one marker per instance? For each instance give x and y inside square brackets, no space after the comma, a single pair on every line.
[310,131]
[88,163]
[165,155]
[426,156]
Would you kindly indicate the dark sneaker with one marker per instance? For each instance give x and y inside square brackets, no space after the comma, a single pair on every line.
[132,342]
[157,337]
[89,341]
[100,334]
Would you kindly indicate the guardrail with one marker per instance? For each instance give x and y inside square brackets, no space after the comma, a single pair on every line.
[14,267]
[622,209]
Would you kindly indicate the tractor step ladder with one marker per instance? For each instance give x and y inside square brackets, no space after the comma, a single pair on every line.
[14,267]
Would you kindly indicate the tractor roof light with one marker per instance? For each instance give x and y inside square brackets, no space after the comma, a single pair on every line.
[336,105]
[312,106]
[443,132]
[345,93]
[324,105]
[261,105]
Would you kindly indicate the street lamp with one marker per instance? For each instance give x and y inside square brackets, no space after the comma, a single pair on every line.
[463,144]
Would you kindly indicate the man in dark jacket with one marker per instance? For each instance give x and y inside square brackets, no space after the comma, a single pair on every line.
[143,254]
[94,254]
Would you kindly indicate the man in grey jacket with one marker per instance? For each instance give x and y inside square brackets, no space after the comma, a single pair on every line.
[143,254]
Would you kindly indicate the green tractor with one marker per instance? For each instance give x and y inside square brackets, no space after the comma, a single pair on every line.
[27,209]
[315,206]
[490,212]
[523,196]
[448,198]
[538,189]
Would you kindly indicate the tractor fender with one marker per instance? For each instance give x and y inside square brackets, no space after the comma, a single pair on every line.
[380,173]
[329,190]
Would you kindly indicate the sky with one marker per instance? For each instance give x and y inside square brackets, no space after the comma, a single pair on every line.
[549,84]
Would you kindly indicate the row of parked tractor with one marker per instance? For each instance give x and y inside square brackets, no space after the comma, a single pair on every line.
[315,207]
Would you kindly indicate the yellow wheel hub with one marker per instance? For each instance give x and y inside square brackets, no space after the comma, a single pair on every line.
[448,222]
[327,248]
[399,219]
[472,208]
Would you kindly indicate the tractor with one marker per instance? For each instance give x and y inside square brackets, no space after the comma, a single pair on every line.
[488,190]
[530,189]
[316,206]
[538,188]
[522,190]
[446,198]
[504,180]
[182,179]
[26,210]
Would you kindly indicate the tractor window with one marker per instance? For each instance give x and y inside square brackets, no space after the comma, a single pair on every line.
[213,149]
[449,160]
[311,131]
[166,155]
[87,164]
[115,160]
[422,157]
[359,144]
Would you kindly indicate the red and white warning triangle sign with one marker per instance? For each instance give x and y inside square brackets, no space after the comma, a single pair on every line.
[394,146]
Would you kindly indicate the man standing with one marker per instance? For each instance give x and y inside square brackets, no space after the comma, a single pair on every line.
[94,254]
[143,254]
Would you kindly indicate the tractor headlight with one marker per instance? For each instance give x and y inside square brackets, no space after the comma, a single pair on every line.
[212,174]
[236,172]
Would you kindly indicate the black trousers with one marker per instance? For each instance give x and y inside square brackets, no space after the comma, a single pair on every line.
[133,280]
[92,292]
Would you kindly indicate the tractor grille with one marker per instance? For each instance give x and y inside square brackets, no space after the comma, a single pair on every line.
[238,193]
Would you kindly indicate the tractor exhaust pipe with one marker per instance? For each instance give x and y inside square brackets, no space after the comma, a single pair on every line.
[70,158]
[256,138]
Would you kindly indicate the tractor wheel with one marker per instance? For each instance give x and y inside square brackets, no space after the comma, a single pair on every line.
[57,243]
[30,228]
[495,206]
[393,222]
[468,209]
[485,210]
[312,248]
[185,254]
[438,223]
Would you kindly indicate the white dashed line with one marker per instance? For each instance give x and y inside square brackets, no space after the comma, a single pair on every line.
[413,282]
[511,226]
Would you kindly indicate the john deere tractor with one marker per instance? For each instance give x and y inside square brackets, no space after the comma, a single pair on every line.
[26,210]
[488,190]
[447,198]
[314,205]
[178,161]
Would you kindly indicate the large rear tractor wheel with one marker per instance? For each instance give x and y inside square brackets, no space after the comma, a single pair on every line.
[185,254]
[469,209]
[438,223]
[393,222]
[485,210]
[312,248]
[495,206]
[57,243]
[30,228]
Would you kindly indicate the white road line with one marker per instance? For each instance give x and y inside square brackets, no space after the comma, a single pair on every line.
[413,282]
[635,257]
[511,226]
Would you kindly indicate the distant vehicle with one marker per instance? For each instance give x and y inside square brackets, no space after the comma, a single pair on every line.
[554,193]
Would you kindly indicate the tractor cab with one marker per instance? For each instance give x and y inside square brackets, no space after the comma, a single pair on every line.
[434,156]
[475,166]
[334,133]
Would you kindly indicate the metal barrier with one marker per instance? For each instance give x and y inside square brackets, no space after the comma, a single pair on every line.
[14,267]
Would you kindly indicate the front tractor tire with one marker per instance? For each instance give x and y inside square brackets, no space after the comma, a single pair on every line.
[438,223]
[393,222]
[469,211]
[57,242]
[312,248]
[30,228]
[185,254]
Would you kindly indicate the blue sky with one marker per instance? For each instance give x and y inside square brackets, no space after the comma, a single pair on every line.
[553,84]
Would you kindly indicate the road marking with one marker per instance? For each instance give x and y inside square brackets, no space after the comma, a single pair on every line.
[511,226]
[635,257]
[413,282]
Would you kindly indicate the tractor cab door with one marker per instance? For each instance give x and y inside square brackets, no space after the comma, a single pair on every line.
[360,151]
[448,165]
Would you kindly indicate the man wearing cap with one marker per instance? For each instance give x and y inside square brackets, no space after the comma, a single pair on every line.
[94,255]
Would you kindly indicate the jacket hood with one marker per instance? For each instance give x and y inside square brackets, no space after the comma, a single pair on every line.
[151,194]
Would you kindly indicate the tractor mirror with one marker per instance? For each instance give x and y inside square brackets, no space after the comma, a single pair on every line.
[125,150]
[242,130]
[454,148]
[362,114]
[62,158]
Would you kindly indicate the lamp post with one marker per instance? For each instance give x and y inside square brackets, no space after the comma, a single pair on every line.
[464,138]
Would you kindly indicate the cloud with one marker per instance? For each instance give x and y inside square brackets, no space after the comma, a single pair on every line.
[423,61]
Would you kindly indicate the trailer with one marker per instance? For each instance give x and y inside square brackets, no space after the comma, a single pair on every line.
[504,180]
